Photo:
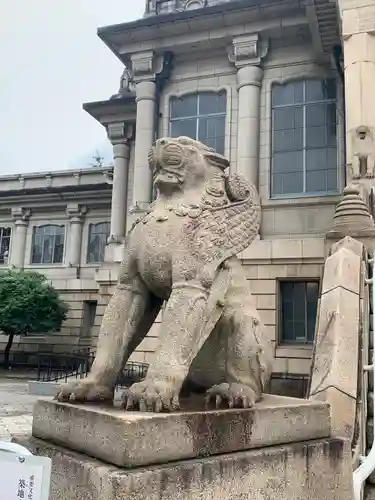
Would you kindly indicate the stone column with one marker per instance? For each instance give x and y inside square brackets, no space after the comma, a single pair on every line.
[120,136]
[76,215]
[144,76]
[21,222]
[247,54]
[358,34]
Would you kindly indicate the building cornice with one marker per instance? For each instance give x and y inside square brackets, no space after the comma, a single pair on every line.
[118,108]
[223,21]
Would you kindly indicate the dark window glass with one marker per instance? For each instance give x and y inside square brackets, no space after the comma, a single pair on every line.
[98,237]
[88,318]
[298,309]
[304,138]
[48,245]
[201,116]
[5,236]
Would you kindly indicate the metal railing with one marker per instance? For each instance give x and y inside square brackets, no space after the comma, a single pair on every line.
[55,367]
[61,367]
[367,466]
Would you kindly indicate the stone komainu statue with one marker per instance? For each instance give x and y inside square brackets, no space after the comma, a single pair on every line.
[183,252]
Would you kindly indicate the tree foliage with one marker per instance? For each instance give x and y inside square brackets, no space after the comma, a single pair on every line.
[28,304]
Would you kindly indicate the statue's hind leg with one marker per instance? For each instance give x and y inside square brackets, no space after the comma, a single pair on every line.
[129,316]
[247,352]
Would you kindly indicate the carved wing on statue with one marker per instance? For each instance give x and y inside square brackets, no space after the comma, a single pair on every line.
[219,233]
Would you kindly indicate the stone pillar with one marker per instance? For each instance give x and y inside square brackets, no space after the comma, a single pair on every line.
[76,215]
[21,222]
[144,76]
[358,34]
[247,54]
[120,136]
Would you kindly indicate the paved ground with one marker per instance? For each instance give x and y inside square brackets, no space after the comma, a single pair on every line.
[16,407]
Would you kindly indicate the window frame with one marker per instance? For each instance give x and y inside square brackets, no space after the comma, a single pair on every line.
[86,328]
[199,93]
[34,231]
[304,104]
[281,343]
[90,226]
[2,228]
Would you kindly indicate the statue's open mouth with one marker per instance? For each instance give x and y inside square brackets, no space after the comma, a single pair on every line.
[165,175]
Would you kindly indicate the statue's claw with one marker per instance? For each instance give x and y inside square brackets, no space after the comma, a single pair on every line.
[233,395]
[155,397]
[84,391]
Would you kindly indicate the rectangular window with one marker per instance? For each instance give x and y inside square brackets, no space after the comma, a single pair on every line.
[48,245]
[98,237]
[201,117]
[304,140]
[298,309]
[5,236]
[88,318]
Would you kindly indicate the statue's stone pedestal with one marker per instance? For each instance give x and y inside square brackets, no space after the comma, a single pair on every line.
[280,449]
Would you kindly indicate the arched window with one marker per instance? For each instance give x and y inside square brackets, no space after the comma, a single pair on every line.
[98,236]
[201,116]
[304,139]
[48,245]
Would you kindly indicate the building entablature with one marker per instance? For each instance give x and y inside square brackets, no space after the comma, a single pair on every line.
[63,180]
[202,29]
[214,26]
[51,191]
[119,108]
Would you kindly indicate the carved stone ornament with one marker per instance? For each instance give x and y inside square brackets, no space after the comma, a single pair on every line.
[363,153]
[351,212]
[76,212]
[127,84]
[120,132]
[248,49]
[142,64]
[21,214]
[184,252]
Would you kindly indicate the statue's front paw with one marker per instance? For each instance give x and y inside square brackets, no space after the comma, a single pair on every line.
[84,391]
[152,396]
[232,395]
[369,175]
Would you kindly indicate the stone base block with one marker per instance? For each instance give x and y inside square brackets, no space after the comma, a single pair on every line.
[137,439]
[315,470]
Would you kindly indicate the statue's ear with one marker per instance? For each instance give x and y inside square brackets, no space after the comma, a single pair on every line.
[216,160]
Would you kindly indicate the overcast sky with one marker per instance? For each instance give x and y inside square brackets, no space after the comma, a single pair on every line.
[51,61]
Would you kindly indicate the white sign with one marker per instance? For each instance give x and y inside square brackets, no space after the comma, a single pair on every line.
[24,477]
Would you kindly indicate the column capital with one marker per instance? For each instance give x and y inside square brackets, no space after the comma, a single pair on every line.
[76,213]
[145,90]
[21,215]
[143,65]
[247,50]
[249,75]
[120,132]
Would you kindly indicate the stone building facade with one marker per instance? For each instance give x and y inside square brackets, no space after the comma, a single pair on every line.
[273,85]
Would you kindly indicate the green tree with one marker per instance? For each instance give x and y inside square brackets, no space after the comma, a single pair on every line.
[28,304]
